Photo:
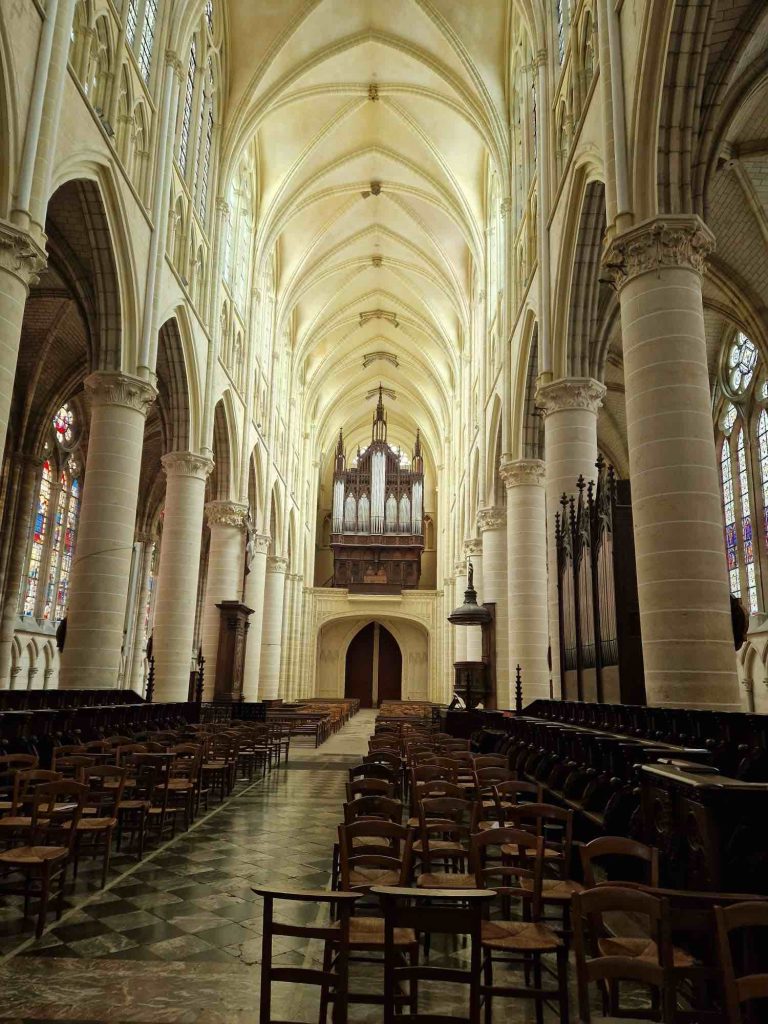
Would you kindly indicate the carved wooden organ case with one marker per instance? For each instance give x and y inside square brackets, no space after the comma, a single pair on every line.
[377,532]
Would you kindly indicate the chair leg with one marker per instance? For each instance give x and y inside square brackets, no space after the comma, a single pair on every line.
[45,883]
[537,985]
[62,890]
[107,853]
[562,984]
[488,982]
[327,964]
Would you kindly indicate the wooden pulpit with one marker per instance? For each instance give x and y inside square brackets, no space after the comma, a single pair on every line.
[230,659]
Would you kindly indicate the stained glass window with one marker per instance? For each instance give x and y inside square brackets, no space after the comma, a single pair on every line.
[70,532]
[40,531]
[762,452]
[205,170]
[147,39]
[186,119]
[742,360]
[63,422]
[55,555]
[746,522]
[729,513]
[560,19]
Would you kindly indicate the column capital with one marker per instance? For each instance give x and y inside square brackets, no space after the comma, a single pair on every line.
[570,393]
[276,563]
[473,546]
[187,464]
[261,542]
[173,60]
[516,472]
[226,513]
[491,519]
[673,240]
[460,568]
[20,255]
[111,387]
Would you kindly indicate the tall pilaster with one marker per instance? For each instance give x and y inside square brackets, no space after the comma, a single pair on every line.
[254,598]
[226,552]
[98,588]
[682,581]
[459,632]
[570,407]
[28,476]
[527,574]
[492,523]
[473,550]
[176,601]
[272,629]
[21,260]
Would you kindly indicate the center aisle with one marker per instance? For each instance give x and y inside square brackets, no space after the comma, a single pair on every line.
[175,938]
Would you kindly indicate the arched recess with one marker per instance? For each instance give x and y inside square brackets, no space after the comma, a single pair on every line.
[8,132]
[533,422]
[219,487]
[495,492]
[256,487]
[589,294]
[276,520]
[293,553]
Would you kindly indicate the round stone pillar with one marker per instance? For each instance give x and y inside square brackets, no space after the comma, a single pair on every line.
[14,581]
[473,549]
[21,260]
[254,597]
[226,552]
[682,582]
[98,588]
[570,407]
[272,628]
[492,523]
[459,632]
[527,575]
[176,601]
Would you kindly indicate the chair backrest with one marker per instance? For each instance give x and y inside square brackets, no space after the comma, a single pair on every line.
[511,791]
[620,851]
[491,761]
[146,775]
[372,771]
[543,819]
[56,810]
[25,783]
[118,741]
[389,758]
[72,766]
[653,969]
[374,844]
[742,987]
[369,787]
[505,872]
[105,788]
[65,750]
[434,788]
[486,779]
[128,750]
[380,807]
[445,817]
[96,746]
[454,745]
[430,772]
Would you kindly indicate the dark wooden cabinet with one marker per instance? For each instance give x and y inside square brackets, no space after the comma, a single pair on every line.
[230,659]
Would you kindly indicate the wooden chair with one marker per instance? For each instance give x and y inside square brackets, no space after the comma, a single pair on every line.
[73,766]
[644,860]
[19,817]
[43,860]
[65,750]
[94,830]
[369,787]
[487,779]
[133,811]
[428,790]
[654,970]
[520,943]
[382,808]
[491,761]
[374,771]
[374,852]
[445,826]
[184,782]
[508,794]
[752,984]
[452,912]
[333,983]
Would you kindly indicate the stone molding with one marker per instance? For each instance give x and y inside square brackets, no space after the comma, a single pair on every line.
[674,240]
[491,519]
[473,546]
[226,513]
[187,464]
[111,387]
[276,563]
[571,393]
[519,472]
[20,255]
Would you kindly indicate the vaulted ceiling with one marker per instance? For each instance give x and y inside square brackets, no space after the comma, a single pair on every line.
[375,127]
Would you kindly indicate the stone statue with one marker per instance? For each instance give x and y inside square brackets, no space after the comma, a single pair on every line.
[470,577]
[250,541]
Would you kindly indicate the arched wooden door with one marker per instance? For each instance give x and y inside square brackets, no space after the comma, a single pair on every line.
[374,666]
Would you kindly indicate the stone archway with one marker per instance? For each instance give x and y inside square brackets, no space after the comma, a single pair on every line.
[373,666]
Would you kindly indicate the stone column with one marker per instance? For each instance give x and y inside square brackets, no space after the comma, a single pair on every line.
[21,260]
[527,575]
[138,650]
[570,406]
[474,549]
[225,577]
[254,598]
[459,632]
[493,527]
[98,588]
[272,628]
[178,572]
[28,478]
[682,582]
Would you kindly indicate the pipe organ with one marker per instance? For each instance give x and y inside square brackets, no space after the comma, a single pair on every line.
[377,531]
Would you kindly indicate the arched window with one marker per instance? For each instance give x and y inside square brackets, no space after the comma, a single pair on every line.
[186,115]
[762,453]
[140,26]
[57,511]
[561,26]
[746,523]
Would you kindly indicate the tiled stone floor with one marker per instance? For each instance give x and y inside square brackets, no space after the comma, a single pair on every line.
[177,938]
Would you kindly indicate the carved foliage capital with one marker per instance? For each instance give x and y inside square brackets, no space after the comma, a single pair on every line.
[276,563]
[226,513]
[107,387]
[187,464]
[20,255]
[676,240]
[460,568]
[261,542]
[571,393]
[473,547]
[516,472]
[491,519]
